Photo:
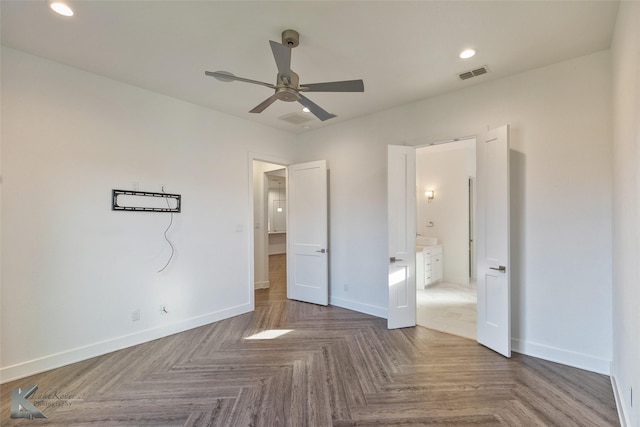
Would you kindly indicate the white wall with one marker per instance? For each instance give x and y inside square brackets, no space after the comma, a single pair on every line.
[73,270]
[277,243]
[445,169]
[560,131]
[625,369]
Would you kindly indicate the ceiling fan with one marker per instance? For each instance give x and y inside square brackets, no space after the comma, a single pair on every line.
[287,87]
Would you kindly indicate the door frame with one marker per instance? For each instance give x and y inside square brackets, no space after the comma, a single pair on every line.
[478,137]
[260,157]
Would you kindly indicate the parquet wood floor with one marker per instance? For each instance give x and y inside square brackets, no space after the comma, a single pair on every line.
[334,368]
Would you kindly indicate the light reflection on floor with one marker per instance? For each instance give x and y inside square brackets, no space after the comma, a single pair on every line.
[449,308]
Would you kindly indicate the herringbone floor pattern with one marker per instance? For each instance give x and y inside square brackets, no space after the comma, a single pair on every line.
[334,368]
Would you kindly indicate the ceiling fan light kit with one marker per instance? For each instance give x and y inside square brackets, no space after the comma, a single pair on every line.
[287,87]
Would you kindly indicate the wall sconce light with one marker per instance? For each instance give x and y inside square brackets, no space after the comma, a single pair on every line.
[430,194]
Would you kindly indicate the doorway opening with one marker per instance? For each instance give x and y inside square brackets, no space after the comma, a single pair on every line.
[305,193]
[446,297]
[270,231]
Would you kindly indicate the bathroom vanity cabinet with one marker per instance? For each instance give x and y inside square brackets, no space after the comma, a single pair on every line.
[429,262]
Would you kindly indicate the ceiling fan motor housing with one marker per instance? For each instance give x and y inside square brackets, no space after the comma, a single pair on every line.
[290,38]
[287,94]
[287,87]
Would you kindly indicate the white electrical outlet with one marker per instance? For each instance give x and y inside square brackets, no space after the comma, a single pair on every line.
[135,315]
[346,287]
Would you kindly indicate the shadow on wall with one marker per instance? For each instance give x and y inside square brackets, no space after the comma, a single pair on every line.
[517,165]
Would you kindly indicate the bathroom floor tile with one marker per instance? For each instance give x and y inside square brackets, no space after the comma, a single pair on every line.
[448,307]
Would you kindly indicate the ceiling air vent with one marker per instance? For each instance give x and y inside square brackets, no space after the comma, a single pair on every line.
[296,118]
[473,73]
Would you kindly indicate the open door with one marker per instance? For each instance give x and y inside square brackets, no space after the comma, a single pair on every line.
[401,208]
[307,233]
[494,314]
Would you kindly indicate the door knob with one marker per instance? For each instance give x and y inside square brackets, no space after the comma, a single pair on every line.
[394,259]
[322,251]
[501,268]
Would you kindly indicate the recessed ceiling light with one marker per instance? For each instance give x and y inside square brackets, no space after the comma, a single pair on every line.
[467,53]
[306,110]
[61,8]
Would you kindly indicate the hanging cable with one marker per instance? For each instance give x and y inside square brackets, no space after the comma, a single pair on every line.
[173,251]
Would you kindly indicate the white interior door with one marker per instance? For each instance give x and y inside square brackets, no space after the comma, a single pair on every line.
[401,208]
[494,314]
[307,233]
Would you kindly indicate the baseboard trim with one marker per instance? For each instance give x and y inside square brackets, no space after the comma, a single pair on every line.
[562,356]
[262,285]
[359,307]
[617,394]
[35,366]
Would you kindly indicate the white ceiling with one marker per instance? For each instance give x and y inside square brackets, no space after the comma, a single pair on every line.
[403,50]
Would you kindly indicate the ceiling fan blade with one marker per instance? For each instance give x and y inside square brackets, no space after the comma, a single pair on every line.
[282,55]
[343,86]
[264,104]
[228,77]
[315,108]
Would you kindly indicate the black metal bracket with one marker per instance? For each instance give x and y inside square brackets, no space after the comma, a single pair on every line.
[116,206]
